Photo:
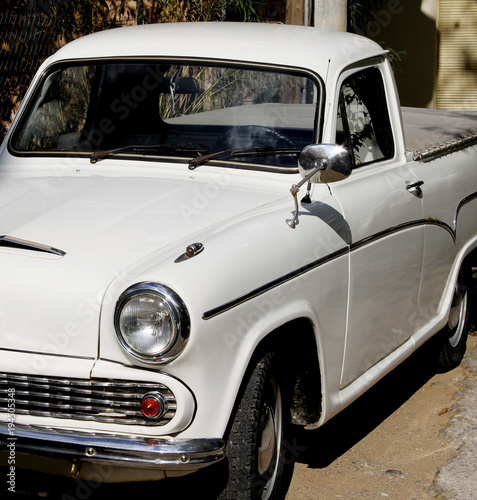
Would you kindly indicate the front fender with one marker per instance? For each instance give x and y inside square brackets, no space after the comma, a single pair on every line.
[253,276]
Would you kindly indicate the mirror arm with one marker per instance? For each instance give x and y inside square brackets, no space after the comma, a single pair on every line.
[296,188]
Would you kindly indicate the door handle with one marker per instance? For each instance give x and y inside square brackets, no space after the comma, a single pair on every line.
[415,188]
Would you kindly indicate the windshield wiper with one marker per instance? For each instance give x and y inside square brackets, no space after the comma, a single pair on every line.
[251,151]
[143,150]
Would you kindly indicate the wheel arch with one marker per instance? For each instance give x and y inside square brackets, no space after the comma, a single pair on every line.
[466,257]
[470,260]
[470,256]
[302,368]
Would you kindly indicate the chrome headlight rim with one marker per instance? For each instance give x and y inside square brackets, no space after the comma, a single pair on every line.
[179,314]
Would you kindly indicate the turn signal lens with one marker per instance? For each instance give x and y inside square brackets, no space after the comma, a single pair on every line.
[152,406]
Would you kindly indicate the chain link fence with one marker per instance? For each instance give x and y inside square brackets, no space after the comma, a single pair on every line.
[27,39]
[26,43]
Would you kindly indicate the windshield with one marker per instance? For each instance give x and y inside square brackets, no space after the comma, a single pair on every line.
[183,110]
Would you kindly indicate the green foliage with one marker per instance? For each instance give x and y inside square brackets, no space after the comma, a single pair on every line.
[246,8]
[360,13]
[361,19]
[394,56]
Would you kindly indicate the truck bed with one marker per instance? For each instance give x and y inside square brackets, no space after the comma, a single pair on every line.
[429,132]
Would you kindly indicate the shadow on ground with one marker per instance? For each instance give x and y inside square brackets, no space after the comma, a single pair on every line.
[323,446]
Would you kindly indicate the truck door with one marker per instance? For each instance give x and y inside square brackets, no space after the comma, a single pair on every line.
[381,203]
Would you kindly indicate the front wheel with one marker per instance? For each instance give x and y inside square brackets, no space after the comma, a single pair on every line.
[453,338]
[256,445]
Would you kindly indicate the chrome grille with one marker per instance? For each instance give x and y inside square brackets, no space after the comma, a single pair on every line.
[100,400]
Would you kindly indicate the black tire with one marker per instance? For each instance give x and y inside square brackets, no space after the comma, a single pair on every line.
[453,338]
[256,445]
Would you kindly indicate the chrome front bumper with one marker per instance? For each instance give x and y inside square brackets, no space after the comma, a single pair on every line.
[114,450]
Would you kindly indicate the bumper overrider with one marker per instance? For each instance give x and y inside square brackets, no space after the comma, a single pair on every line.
[113,450]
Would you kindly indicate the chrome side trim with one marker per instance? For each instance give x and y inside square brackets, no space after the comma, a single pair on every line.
[402,227]
[116,450]
[462,203]
[364,241]
[302,270]
[265,288]
[11,241]
[443,225]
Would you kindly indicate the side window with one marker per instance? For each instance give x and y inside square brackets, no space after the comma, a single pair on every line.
[363,123]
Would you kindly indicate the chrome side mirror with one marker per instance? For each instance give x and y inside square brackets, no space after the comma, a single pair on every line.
[320,163]
[325,162]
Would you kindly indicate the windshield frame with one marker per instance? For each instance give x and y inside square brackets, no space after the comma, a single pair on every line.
[32,99]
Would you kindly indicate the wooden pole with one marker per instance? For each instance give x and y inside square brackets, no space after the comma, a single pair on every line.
[296,12]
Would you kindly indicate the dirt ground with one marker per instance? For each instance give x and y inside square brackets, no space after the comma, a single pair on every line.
[390,443]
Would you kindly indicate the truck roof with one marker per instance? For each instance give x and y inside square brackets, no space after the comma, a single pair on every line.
[277,44]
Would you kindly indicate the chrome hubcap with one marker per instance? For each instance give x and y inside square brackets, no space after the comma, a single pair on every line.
[269,439]
[267,446]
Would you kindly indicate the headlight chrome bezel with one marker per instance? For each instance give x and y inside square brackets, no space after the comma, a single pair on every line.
[179,317]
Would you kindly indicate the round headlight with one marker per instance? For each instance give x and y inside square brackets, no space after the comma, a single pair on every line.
[152,322]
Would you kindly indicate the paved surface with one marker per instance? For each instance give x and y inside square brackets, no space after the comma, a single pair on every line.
[458,478]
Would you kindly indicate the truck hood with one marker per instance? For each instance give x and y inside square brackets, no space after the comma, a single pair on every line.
[50,303]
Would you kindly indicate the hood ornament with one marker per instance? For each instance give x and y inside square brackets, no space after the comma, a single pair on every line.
[191,251]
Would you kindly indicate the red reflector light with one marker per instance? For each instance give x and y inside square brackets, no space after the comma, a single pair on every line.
[152,406]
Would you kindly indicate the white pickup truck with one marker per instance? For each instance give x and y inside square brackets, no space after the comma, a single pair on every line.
[213,233]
